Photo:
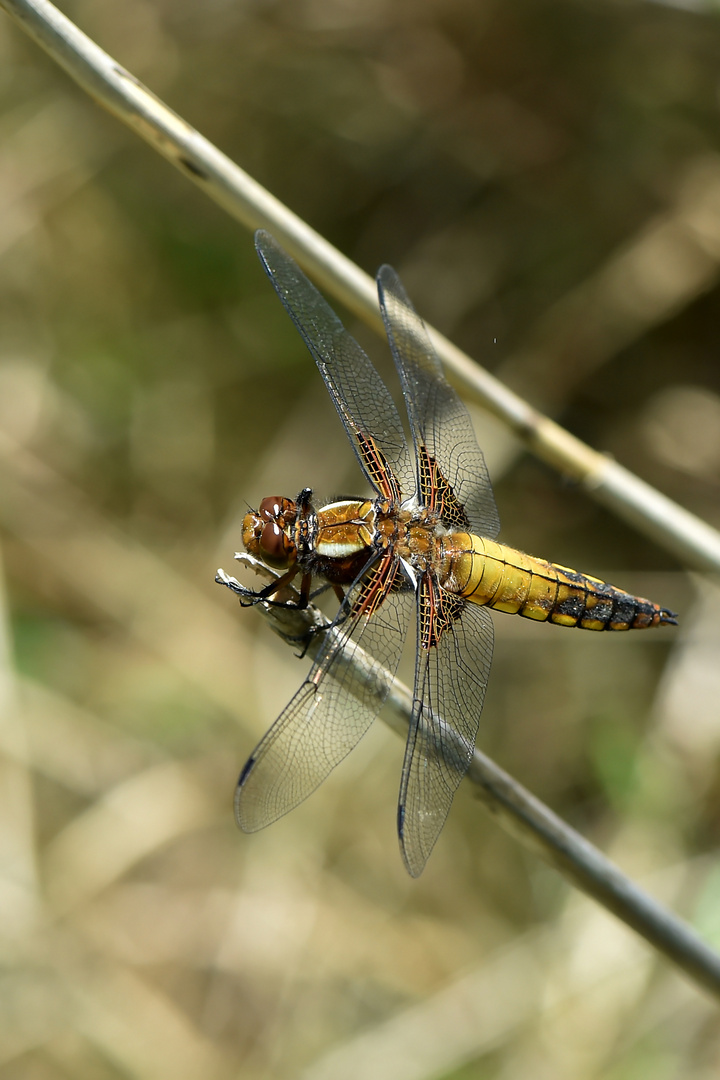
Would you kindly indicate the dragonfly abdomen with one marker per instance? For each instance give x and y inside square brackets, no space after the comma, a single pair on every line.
[502,578]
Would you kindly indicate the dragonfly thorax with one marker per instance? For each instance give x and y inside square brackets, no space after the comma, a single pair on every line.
[346,540]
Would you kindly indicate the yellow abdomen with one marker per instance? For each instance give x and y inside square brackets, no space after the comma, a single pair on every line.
[502,578]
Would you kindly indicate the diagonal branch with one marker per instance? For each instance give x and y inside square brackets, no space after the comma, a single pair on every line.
[626,495]
[630,498]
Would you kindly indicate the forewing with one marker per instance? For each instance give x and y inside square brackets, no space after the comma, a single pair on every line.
[361,398]
[333,709]
[455,644]
[452,475]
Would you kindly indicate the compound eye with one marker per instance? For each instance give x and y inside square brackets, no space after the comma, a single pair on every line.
[276,548]
[269,508]
[277,508]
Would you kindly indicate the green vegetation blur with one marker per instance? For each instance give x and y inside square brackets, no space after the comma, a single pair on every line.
[545,176]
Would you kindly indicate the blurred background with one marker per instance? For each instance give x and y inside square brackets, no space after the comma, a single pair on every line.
[545,175]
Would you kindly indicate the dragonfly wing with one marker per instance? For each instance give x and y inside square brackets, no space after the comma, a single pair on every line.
[452,474]
[455,644]
[332,710]
[361,398]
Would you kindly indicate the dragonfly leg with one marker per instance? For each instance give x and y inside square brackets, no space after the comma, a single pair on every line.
[263,595]
[303,596]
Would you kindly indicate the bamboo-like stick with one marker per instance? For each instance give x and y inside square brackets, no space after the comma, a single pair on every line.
[687,536]
[699,545]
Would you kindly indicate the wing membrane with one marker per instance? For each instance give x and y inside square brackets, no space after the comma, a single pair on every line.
[361,398]
[333,709]
[452,474]
[329,714]
[455,644]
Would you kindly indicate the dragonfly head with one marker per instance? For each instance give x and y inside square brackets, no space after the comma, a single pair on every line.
[268,532]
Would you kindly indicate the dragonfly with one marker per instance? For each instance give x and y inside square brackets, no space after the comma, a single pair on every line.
[422,549]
